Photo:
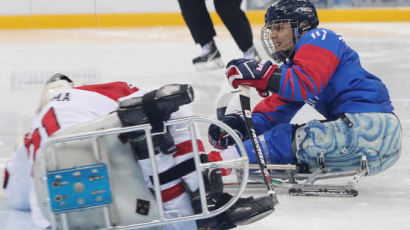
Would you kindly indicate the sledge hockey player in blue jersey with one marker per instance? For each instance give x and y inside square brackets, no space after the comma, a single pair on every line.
[320,69]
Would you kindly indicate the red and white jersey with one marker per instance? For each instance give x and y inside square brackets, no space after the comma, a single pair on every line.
[70,107]
[73,106]
[77,105]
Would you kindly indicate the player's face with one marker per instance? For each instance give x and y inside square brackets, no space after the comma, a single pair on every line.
[282,36]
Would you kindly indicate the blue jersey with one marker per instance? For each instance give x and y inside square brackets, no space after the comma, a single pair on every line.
[325,73]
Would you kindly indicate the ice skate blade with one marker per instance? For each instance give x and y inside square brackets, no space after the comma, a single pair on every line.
[210,65]
[324,191]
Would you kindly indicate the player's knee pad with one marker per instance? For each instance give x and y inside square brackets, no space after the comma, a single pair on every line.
[343,142]
[154,107]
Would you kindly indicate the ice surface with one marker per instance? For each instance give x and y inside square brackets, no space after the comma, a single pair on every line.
[157,56]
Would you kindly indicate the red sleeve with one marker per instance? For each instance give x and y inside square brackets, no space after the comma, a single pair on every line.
[113,90]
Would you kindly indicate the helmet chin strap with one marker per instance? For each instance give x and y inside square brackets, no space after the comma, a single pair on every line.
[288,54]
[295,34]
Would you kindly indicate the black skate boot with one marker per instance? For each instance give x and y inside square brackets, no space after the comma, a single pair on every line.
[210,58]
[252,53]
[244,211]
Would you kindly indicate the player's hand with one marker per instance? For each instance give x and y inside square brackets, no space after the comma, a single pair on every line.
[250,73]
[220,139]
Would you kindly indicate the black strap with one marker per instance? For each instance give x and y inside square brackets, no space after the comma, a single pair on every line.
[176,172]
[148,105]
[344,118]
[274,80]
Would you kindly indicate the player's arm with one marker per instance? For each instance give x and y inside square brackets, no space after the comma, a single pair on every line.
[272,111]
[317,57]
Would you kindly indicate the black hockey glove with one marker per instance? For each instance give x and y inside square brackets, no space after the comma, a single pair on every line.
[154,107]
[220,139]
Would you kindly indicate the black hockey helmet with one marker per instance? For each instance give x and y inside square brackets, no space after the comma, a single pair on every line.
[302,16]
[301,11]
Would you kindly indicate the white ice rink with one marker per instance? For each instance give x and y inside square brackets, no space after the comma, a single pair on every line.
[156,56]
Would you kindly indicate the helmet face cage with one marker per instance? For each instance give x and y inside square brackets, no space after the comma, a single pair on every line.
[269,44]
[302,16]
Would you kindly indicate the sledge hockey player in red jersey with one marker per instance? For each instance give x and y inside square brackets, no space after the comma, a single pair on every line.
[317,68]
[64,106]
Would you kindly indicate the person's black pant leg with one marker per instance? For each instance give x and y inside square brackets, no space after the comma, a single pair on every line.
[236,22]
[198,20]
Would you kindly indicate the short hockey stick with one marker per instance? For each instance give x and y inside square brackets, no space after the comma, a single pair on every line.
[244,97]
[222,106]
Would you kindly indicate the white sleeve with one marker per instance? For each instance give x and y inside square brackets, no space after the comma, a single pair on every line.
[180,132]
[36,214]
[18,185]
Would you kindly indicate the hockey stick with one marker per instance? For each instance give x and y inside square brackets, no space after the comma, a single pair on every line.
[244,97]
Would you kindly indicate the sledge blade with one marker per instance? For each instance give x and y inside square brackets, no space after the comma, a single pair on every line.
[323,190]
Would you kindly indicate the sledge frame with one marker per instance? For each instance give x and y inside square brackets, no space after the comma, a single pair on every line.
[242,162]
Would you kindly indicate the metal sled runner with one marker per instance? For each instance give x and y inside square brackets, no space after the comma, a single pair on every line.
[303,184]
[289,176]
[85,178]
